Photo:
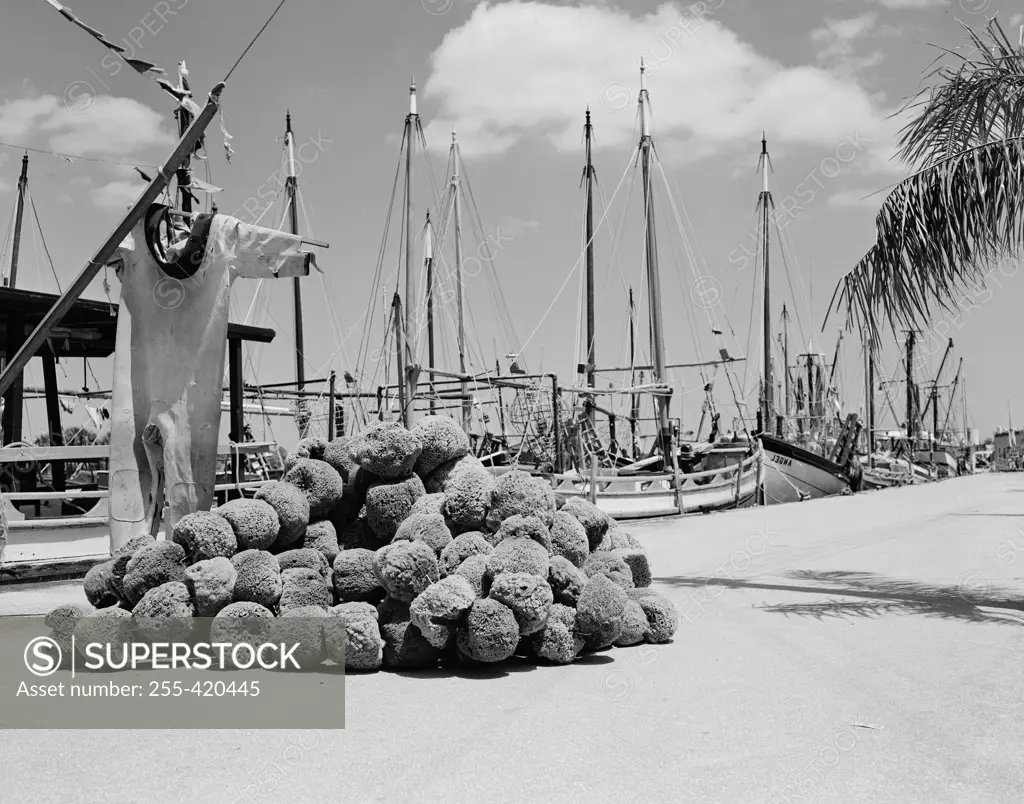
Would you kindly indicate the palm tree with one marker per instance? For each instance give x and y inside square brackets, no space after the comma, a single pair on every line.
[962,209]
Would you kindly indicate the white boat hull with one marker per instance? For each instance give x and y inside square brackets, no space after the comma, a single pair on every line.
[792,474]
[637,497]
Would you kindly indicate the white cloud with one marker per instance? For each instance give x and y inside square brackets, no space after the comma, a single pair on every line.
[117,196]
[868,198]
[837,42]
[101,126]
[526,70]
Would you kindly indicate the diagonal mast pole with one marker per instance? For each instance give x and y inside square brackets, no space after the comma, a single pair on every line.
[19,215]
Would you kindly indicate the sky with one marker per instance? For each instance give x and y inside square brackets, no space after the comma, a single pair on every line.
[823,79]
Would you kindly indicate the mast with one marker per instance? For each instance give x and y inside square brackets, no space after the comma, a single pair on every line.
[634,400]
[911,429]
[457,191]
[588,178]
[292,191]
[869,396]
[411,127]
[396,312]
[428,261]
[785,357]
[653,278]
[766,381]
[18,217]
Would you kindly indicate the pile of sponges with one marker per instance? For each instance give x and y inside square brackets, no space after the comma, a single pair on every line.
[395,548]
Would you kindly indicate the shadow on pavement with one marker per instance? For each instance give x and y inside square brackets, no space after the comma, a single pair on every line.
[879,596]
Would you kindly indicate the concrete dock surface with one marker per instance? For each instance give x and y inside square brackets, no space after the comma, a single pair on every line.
[859,649]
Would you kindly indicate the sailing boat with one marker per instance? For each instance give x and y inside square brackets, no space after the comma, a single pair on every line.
[792,472]
[716,476]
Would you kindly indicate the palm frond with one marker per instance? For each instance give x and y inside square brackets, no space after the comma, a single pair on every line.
[938,232]
[976,100]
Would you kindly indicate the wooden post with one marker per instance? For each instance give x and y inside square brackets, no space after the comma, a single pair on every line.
[593,480]
[237,415]
[13,396]
[18,216]
[739,480]
[331,402]
[556,426]
[57,468]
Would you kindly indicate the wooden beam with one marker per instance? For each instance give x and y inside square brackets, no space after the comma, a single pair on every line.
[57,468]
[186,145]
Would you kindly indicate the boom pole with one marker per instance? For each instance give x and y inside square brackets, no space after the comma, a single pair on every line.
[292,191]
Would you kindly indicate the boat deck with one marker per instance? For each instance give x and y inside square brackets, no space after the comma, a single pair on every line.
[862,648]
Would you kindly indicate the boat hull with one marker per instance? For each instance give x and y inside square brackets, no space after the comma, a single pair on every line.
[792,474]
[639,497]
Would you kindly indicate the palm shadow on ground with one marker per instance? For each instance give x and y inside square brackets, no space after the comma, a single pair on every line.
[866,594]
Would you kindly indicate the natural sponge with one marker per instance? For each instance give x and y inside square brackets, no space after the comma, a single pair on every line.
[98,589]
[662,617]
[427,528]
[461,548]
[387,450]
[258,579]
[529,527]
[437,610]
[119,562]
[305,557]
[356,610]
[467,487]
[491,633]
[338,454]
[518,555]
[428,504]
[569,538]
[610,565]
[242,624]
[353,639]
[292,509]
[321,484]
[520,493]
[254,522]
[322,536]
[110,627]
[558,641]
[389,503]
[442,440]
[528,596]
[354,577]
[303,588]
[211,584]
[155,564]
[405,647]
[474,570]
[634,625]
[639,566]
[309,447]
[566,580]
[405,568]
[595,521]
[600,611]
[164,613]
[302,626]
[205,535]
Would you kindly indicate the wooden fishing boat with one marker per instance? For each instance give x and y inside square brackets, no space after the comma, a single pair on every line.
[792,472]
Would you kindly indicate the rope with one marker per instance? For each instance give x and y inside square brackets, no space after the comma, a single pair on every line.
[67,156]
[42,237]
[253,42]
